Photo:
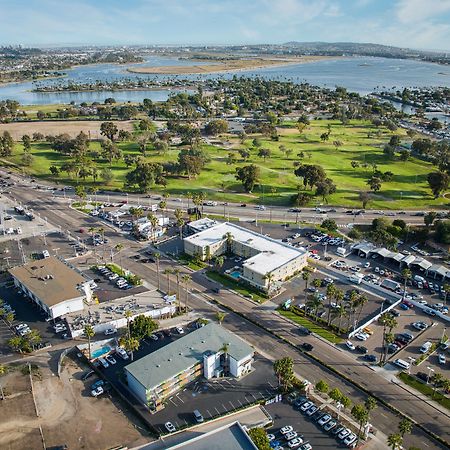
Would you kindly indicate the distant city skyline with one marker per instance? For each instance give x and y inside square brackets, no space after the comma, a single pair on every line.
[418,24]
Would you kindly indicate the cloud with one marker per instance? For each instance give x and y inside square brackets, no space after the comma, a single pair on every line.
[412,11]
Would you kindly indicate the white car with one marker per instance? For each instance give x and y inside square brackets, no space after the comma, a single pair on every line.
[122,352]
[349,439]
[324,419]
[295,442]
[344,433]
[110,331]
[97,391]
[367,265]
[170,427]
[442,358]
[287,429]
[362,336]
[329,425]
[111,359]
[271,437]
[350,345]
[113,276]
[291,435]
[153,337]
[312,410]
[306,406]
[179,330]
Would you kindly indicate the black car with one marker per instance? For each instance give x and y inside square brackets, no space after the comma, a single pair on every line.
[362,349]
[243,205]
[394,312]
[87,375]
[422,376]
[370,358]
[304,330]
[307,346]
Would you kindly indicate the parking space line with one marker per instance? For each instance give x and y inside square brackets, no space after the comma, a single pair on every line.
[217,410]
[251,393]
[210,415]
[272,386]
[229,401]
[224,407]
[240,403]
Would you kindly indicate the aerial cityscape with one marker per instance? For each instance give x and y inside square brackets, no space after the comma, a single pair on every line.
[224,225]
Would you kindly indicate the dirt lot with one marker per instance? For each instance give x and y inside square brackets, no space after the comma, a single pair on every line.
[72,128]
[19,427]
[67,414]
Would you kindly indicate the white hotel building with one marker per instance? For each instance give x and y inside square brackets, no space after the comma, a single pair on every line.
[267,261]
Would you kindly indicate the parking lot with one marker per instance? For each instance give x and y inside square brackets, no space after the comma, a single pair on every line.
[307,428]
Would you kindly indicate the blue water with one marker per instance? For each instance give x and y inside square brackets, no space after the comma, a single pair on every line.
[236,274]
[361,75]
[101,351]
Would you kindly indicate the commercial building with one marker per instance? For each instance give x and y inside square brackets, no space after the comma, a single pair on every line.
[232,436]
[209,352]
[267,261]
[52,284]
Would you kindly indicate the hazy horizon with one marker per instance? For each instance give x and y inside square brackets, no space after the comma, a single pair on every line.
[415,24]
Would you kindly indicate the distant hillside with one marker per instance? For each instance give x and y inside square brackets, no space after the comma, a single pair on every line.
[366,49]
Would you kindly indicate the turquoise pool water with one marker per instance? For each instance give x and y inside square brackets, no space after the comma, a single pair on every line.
[236,274]
[101,351]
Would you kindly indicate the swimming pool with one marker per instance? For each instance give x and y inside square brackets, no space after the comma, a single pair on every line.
[101,351]
[236,274]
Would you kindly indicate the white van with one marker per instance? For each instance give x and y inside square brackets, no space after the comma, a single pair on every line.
[402,364]
[45,254]
[425,347]
[103,362]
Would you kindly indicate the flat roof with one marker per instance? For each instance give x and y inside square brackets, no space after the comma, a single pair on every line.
[273,254]
[50,280]
[170,360]
[229,437]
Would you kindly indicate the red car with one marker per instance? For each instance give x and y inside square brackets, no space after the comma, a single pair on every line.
[408,304]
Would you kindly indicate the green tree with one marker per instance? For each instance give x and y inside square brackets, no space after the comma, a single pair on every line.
[395,441]
[284,370]
[264,153]
[361,415]
[259,438]
[89,333]
[438,182]
[249,176]
[322,386]
[329,224]
[405,427]
[220,316]
[106,175]
[142,326]
[374,183]
[335,394]
[130,344]
[108,129]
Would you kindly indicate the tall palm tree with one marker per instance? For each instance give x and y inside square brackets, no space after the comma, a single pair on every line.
[177,275]
[186,279]
[154,223]
[331,293]
[225,349]
[314,303]
[167,272]
[436,379]
[406,274]
[362,302]
[180,221]
[340,312]
[130,344]
[118,248]
[447,292]
[157,257]
[405,427]
[395,441]
[89,333]
[229,241]
[189,197]
[306,274]
[270,278]
[128,315]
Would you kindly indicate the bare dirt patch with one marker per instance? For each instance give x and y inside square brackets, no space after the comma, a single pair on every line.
[72,128]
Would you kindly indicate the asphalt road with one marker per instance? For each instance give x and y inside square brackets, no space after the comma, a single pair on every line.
[58,213]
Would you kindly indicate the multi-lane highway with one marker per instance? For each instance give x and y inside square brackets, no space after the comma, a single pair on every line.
[57,212]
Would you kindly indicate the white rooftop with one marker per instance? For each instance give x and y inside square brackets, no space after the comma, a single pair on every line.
[273,254]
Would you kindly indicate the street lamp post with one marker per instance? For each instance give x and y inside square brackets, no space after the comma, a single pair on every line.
[430,369]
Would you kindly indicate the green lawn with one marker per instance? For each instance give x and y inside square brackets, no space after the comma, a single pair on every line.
[304,322]
[408,189]
[243,290]
[425,389]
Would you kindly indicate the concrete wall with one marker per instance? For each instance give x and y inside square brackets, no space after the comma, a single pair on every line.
[67,307]
[238,368]
[210,364]
[138,390]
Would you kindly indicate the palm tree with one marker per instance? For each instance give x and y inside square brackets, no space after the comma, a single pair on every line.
[353,299]
[406,274]
[167,272]
[118,248]
[229,241]
[405,427]
[130,344]
[157,257]
[389,323]
[331,293]
[447,292]
[177,274]
[180,221]
[436,379]
[186,279]
[219,262]
[395,441]
[314,303]
[270,278]
[189,196]
[34,338]
[361,301]
[220,316]
[154,223]
[89,333]
[305,275]
[128,315]
[340,312]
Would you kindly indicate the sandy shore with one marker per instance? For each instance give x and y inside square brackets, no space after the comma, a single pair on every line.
[228,65]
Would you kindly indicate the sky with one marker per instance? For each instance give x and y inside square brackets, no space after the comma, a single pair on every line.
[420,24]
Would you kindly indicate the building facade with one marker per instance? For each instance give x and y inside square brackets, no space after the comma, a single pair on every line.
[209,352]
[267,261]
[53,285]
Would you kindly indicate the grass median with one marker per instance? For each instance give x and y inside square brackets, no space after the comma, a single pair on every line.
[425,389]
[237,287]
[304,322]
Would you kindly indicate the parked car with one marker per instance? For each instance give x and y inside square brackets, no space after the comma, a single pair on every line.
[312,410]
[291,435]
[170,427]
[324,419]
[442,358]
[419,325]
[179,330]
[110,331]
[87,375]
[306,406]
[97,391]
[329,425]
[122,353]
[350,345]
[111,359]
[287,429]
[295,442]
[362,349]
[307,346]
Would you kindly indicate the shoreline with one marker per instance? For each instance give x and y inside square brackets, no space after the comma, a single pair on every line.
[229,66]
[155,88]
